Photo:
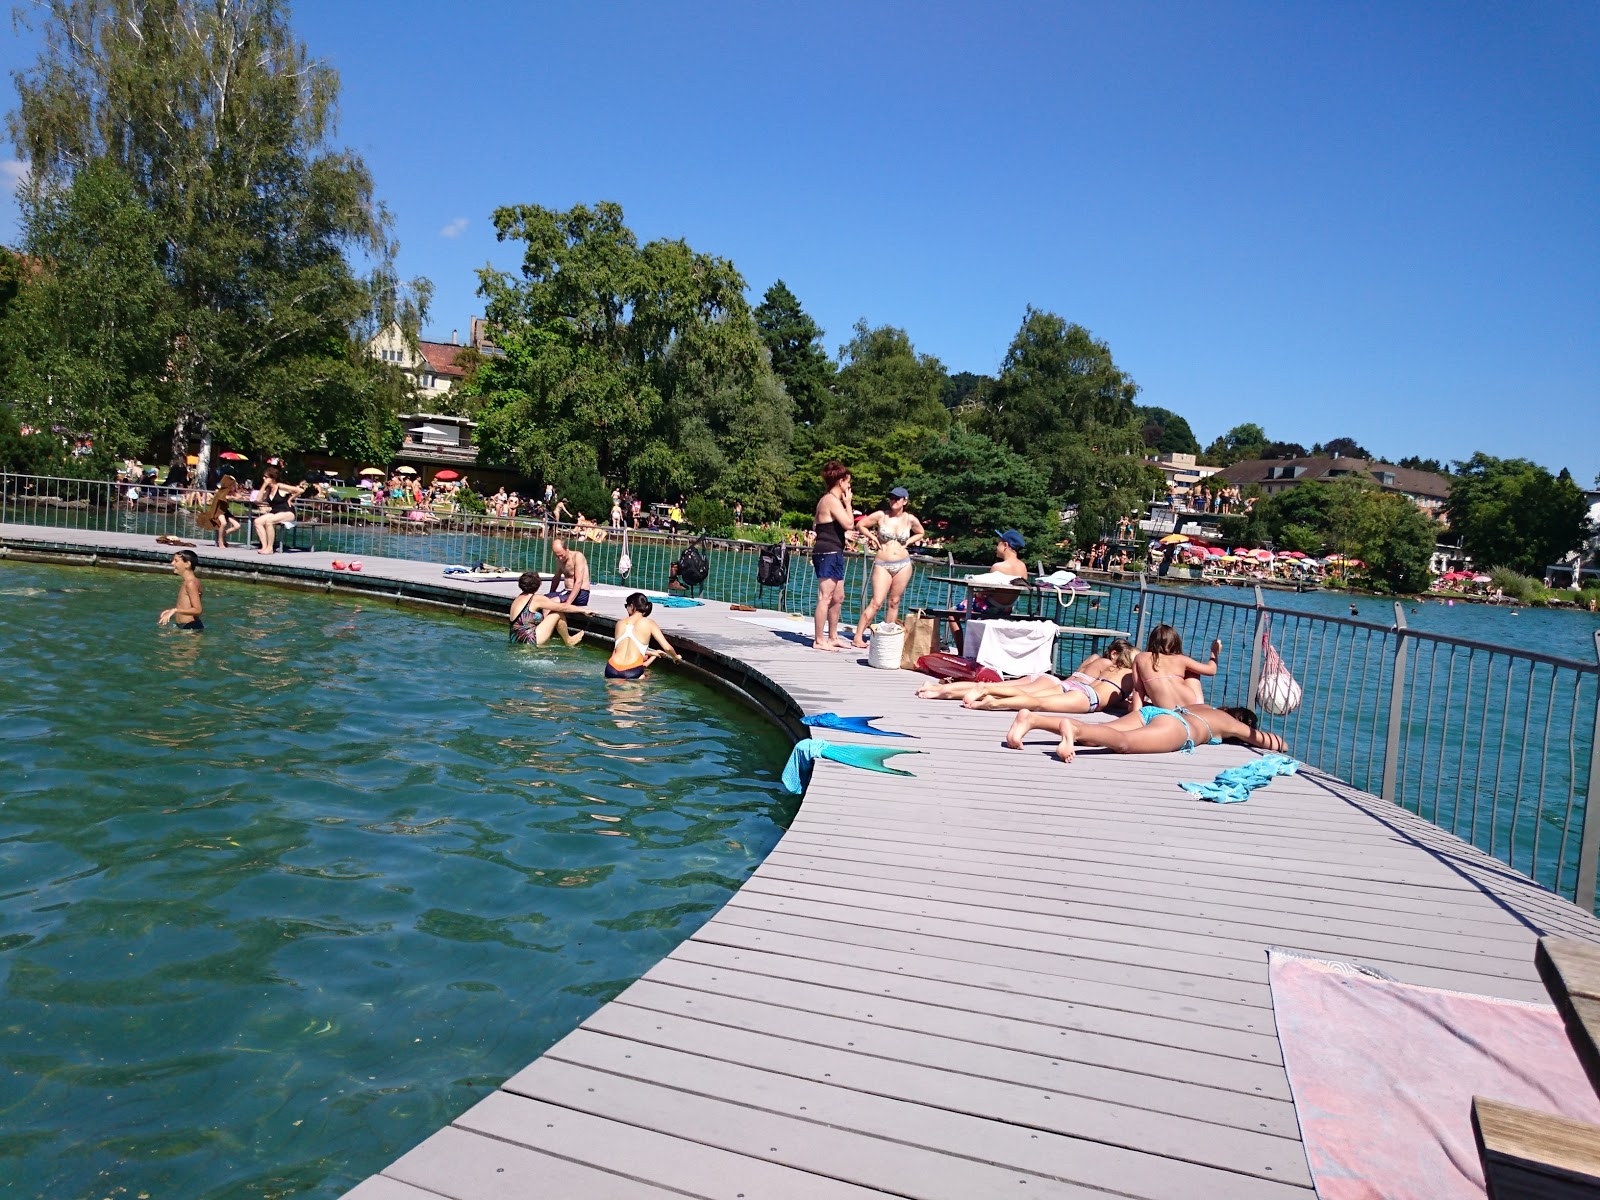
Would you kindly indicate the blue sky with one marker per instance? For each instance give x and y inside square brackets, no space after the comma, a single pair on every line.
[1370,220]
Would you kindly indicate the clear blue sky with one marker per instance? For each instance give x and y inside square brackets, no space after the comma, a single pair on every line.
[1376,220]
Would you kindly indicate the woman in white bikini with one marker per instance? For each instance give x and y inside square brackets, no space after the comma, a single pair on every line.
[631,651]
[1102,681]
[1163,655]
[890,532]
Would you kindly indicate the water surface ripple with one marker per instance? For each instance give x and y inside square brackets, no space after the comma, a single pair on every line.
[279,899]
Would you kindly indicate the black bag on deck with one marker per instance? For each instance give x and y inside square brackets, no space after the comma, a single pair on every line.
[693,566]
[772,568]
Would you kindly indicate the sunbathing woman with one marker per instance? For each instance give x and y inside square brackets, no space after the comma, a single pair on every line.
[631,651]
[216,515]
[1100,681]
[1163,655]
[534,617]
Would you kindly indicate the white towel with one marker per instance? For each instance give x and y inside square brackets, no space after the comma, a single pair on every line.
[1014,648]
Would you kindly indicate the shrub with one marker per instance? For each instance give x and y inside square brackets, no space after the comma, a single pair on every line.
[709,516]
[1522,588]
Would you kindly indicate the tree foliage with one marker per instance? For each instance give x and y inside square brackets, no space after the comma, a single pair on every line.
[1343,447]
[977,486]
[1242,443]
[1352,516]
[220,126]
[1165,432]
[1510,512]
[643,360]
[794,342]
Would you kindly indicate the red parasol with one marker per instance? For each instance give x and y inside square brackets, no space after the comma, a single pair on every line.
[446,475]
[234,456]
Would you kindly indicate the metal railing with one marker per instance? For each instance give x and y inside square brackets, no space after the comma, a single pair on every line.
[1495,744]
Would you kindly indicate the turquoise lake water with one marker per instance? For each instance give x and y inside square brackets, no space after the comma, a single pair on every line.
[279,899]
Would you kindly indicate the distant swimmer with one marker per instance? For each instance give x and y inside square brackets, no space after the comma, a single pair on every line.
[631,651]
[185,614]
[1354,612]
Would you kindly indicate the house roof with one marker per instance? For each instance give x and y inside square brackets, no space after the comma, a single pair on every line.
[441,358]
[1322,467]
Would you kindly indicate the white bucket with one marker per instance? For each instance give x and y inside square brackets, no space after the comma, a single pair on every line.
[883,651]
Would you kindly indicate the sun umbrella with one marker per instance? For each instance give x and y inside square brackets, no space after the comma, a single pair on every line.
[445,475]
[371,472]
[1263,553]
[405,470]
[1173,539]
[1481,579]
[1216,552]
[234,456]
[1293,554]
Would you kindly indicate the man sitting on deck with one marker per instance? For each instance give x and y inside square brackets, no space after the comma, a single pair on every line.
[571,583]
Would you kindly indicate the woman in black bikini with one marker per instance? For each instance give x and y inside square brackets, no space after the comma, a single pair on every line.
[833,517]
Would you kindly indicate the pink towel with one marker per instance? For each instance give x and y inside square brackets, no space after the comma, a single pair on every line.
[1383,1076]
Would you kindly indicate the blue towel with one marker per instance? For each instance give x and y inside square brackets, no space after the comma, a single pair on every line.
[870,758]
[1236,783]
[830,720]
[679,602]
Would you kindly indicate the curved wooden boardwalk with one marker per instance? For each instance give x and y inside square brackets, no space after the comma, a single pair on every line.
[1004,976]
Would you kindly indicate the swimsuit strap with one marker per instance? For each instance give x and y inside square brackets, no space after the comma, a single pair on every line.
[1211,738]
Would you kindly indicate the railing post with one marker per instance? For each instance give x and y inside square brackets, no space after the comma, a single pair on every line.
[1256,649]
[949,571]
[1397,696]
[1589,843]
[1144,603]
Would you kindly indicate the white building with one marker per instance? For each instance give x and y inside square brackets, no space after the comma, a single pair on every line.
[1583,563]
[431,365]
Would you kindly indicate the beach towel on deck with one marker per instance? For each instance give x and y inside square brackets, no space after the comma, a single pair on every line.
[679,602]
[1236,783]
[868,758]
[1383,1074]
[830,720]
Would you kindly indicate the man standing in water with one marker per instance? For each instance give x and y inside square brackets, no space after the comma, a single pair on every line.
[186,613]
[571,584]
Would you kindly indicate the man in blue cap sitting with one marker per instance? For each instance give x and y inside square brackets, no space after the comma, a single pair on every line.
[999,602]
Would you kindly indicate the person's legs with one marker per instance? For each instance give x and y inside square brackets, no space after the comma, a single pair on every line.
[1053,701]
[897,588]
[880,590]
[819,638]
[1125,735]
[836,614]
[953,689]
[263,526]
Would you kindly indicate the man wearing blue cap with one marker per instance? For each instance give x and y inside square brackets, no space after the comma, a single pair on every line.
[997,603]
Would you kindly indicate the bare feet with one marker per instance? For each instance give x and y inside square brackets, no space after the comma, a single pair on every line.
[981,700]
[263,551]
[573,639]
[1021,726]
[828,646]
[858,644]
[1066,749]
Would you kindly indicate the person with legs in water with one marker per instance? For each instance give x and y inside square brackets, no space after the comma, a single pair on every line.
[1163,656]
[891,531]
[273,504]
[631,651]
[216,515]
[534,618]
[1101,682]
[571,583]
[833,516]
[185,614]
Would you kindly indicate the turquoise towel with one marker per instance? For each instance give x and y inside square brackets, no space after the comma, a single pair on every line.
[679,602]
[1236,783]
[869,758]
[830,720]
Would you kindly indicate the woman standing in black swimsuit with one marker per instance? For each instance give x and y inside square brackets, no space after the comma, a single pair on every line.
[833,517]
[273,504]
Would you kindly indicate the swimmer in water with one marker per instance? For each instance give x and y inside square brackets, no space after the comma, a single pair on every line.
[185,614]
[1353,611]
[630,650]
[534,618]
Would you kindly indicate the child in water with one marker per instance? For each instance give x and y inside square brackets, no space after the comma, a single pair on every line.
[185,614]
[631,652]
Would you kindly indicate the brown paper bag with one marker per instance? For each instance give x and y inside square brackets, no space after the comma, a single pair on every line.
[921,638]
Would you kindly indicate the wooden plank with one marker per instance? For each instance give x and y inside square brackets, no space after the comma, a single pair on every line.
[1059,1109]
[1528,1155]
[689,1167]
[1571,974]
[381,1187]
[950,1134]
[469,1166]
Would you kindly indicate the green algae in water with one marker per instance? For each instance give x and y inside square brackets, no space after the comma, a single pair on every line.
[279,899]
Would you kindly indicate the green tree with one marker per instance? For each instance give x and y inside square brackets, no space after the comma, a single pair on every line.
[1343,447]
[642,360]
[794,342]
[1165,432]
[1412,462]
[89,333]
[223,126]
[976,486]
[965,387]
[1283,450]
[1513,513]
[1242,443]
[885,385]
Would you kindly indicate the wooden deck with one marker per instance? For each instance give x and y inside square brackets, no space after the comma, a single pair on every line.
[1002,977]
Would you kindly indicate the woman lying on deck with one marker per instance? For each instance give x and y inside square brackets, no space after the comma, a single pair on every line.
[1163,656]
[1101,681]
[1168,720]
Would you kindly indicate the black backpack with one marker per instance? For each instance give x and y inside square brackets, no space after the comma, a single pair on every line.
[692,565]
[772,567]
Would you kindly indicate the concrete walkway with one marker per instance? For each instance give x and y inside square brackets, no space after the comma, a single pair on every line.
[1004,976]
